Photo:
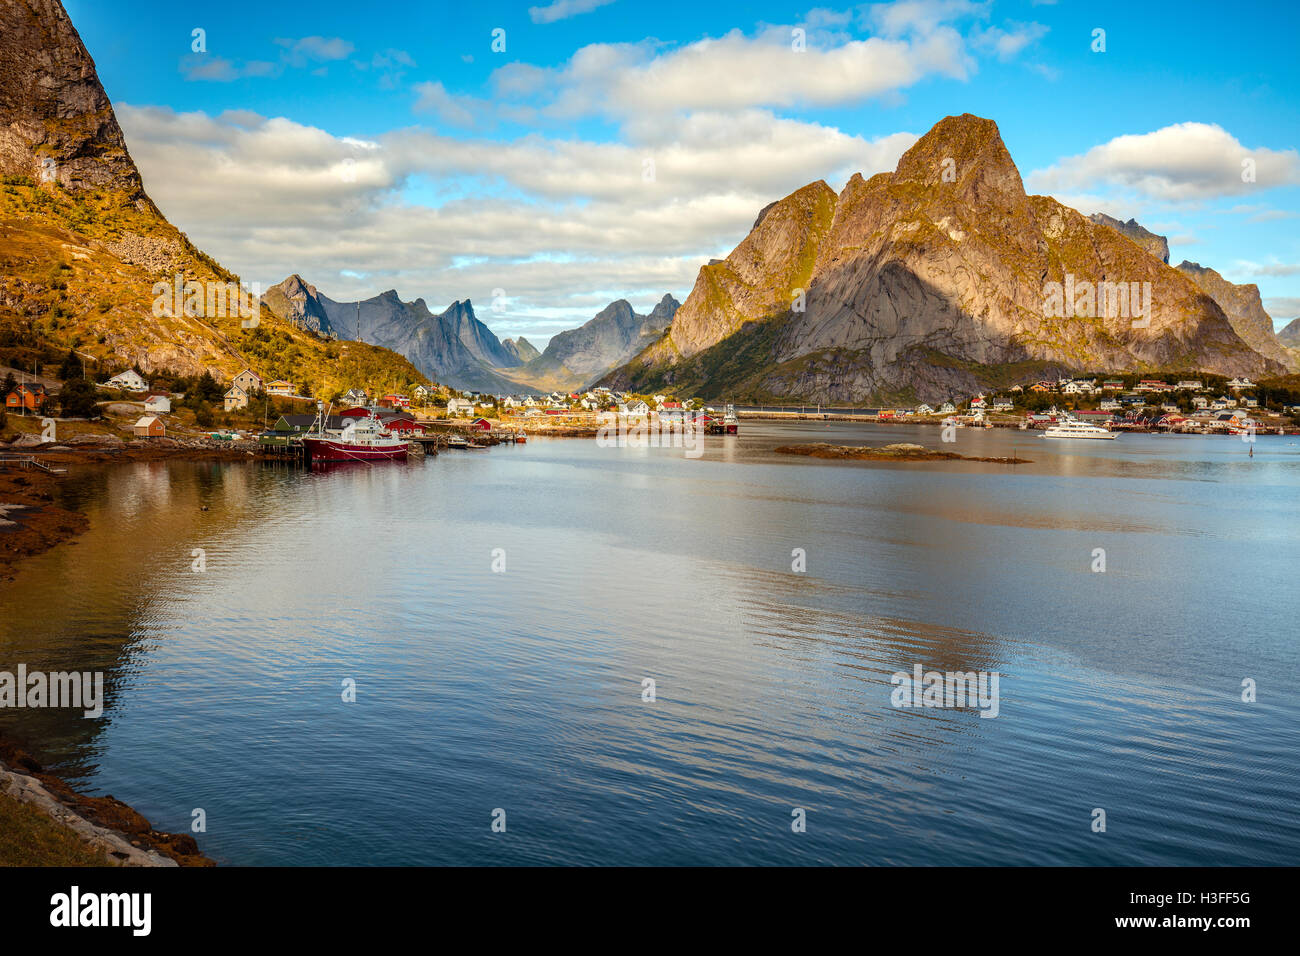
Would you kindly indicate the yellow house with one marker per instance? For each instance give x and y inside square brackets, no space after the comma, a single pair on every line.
[281,387]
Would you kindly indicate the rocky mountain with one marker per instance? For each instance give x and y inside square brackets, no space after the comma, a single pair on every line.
[1290,334]
[521,349]
[580,356]
[56,123]
[1158,246]
[936,280]
[83,248]
[1242,305]
[452,347]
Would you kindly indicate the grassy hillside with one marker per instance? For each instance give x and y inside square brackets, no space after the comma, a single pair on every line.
[78,270]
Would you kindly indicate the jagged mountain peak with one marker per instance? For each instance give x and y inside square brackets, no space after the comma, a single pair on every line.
[1155,244]
[965,151]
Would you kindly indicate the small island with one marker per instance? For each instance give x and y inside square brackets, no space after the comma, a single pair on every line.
[902,451]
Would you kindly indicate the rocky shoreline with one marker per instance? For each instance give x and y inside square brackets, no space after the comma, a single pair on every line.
[105,826]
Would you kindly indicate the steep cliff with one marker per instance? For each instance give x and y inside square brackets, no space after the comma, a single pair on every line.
[1242,305]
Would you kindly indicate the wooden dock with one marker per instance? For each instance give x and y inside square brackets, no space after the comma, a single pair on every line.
[29,463]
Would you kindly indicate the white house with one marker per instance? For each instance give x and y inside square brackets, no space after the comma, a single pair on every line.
[1191,385]
[248,380]
[1200,401]
[924,409]
[158,404]
[459,406]
[1239,383]
[946,408]
[978,402]
[1002,405]
[358,396]
[236,398]
[129,380]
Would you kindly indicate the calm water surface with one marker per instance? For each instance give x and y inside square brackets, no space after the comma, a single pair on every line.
[522,690]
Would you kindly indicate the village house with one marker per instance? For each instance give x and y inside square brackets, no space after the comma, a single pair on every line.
[129,380]
[422,392]
[150,426]
[248,381]
[1237,384]
[281,387]
[459,406]
[1200,401]
[28,395]
[946,408]
[235,398]
[924,409]
[1109,405]
[1002,405]
[636,409]
[1113,385]
[1190,385]
[978,402]
[158,404]
[481,425]
[358,396]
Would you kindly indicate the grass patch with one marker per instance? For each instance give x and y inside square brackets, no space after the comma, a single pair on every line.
[29,838]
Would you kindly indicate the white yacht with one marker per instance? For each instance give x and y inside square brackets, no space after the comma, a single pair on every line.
[1073,429]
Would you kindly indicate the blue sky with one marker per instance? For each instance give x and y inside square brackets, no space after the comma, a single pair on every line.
[387,145]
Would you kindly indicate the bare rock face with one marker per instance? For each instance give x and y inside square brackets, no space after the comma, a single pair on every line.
[613,336]
[521,349]
[1242,305]
[1158,246]
[55,119]
[909,284]
[297,302]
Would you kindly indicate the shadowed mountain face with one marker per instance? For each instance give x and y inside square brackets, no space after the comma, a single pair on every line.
[1290,334]
[455,348]
[936,276]
[521,349]
[580,356]
[452,347]
[1242,305]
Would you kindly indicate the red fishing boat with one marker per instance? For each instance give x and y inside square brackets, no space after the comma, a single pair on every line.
[361,439]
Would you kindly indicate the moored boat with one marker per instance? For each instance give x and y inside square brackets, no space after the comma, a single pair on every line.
[1073,429]
[362,439]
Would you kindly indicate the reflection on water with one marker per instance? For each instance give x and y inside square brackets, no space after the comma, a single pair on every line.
[522,690]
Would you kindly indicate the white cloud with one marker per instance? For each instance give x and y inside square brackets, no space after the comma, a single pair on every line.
[1180,163]
[552,221]
[563,9]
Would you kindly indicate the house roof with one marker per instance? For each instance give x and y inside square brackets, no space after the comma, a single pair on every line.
[148,420]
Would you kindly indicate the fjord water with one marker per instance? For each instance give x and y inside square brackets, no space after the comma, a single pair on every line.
[522,690]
